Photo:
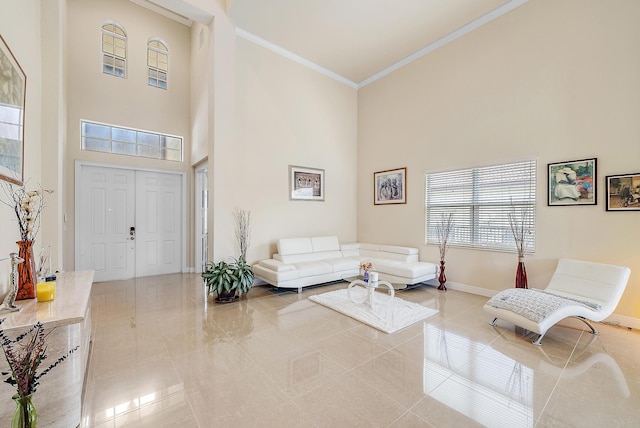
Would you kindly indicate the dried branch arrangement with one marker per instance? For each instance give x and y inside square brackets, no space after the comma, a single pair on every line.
[243,230]
[27,206]
[443,231]
[519,223]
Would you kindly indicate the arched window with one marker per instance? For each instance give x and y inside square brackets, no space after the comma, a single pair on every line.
[114,50]
[157,63]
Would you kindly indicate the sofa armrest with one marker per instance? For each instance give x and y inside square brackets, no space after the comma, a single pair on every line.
[276,265]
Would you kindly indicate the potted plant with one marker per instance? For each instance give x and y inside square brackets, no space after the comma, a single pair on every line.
[219,278]
[24,354]
[230,280]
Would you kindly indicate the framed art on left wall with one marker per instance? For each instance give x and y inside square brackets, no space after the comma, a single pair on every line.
[13,84]
[306,184]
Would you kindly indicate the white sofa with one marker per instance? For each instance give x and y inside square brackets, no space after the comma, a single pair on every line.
[301,262]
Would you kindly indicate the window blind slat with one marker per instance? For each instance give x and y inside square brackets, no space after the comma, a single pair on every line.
[481,200]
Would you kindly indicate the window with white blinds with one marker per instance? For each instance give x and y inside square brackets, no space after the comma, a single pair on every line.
[481,200]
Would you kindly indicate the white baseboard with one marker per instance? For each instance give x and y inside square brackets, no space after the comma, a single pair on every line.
[470,289]
[619,320]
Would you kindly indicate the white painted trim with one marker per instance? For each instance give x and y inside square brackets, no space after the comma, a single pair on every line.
[198,187]
[183,176]
[476,23]
[293,57]
[471,289]
[624,321]
[467,28]
[161,10]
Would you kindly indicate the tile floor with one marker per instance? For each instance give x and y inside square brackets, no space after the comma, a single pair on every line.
[165,355]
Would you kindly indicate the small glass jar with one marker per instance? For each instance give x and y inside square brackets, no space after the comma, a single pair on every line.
[46,291]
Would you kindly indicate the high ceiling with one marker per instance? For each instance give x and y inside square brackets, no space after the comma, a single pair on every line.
[358,40]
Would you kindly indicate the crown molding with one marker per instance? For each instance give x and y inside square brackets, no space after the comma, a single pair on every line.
[476,23]
[465,29]
[161,10]
[293,57]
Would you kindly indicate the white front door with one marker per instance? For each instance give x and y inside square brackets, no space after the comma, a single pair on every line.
[106,212]
[129,223]
[158,223]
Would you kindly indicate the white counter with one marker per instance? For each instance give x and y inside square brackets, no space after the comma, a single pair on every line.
[59,395]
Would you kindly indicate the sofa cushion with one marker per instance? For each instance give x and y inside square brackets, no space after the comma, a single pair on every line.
[403,269]
[274,276]
[308,257]
[398,250]
[325,243]
[342,264]
[276,265]
[313,268]
[288,246]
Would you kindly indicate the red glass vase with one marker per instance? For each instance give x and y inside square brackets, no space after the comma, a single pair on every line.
[26,271]
[521,274]
[442,279]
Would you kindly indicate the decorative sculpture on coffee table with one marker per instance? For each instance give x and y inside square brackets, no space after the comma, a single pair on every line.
[443,230]
[8,304]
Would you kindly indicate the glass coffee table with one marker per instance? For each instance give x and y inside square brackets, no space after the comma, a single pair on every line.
[368,297]
[396,286]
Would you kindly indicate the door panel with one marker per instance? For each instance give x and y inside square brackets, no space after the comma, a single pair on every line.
[158,233]
[106,211]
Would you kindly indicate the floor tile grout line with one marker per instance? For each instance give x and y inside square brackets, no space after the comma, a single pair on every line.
[553,390]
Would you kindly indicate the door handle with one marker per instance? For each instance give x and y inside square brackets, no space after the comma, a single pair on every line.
[132,233]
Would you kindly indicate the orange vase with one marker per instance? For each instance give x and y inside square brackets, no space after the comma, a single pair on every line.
[26,271]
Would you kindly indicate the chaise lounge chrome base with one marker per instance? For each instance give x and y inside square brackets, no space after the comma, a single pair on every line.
[578,289]
[538,340]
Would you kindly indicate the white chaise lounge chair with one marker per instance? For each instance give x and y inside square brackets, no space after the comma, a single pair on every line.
[584,290]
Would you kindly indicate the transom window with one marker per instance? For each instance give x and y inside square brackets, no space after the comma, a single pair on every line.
[98,137]
[114,50]
[481,201]
[157,63]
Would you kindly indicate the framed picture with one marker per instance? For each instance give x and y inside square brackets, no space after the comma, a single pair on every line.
[13,84]
[623,192]
[306,184]
[572,182]
[390,187]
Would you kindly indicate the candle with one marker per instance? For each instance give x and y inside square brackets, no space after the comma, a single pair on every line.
[373,277]
[46,291]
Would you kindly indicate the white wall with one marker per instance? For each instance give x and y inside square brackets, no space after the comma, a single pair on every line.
[286,114]
[553,80]
[21,32]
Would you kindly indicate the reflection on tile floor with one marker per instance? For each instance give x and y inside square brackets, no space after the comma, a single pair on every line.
[165,355]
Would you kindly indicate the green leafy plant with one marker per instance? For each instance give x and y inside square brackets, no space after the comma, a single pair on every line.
[218,277]
[228,276]
[242,275]
[235,275]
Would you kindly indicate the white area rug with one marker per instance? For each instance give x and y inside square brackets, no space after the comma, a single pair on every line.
[389,317]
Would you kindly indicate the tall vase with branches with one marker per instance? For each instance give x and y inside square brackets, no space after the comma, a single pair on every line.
[519,222]
[443,231]
[27,206]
